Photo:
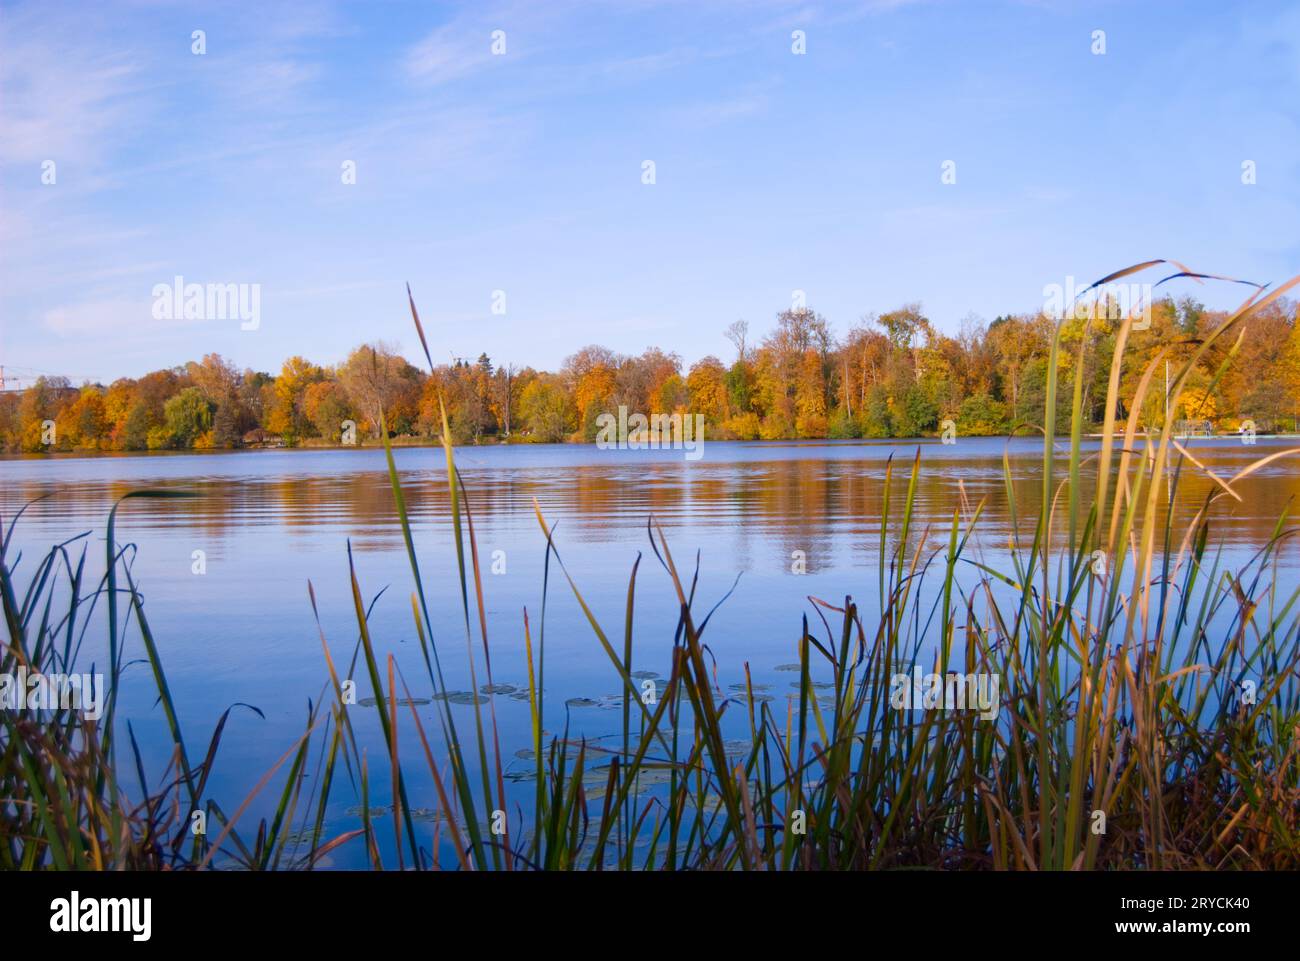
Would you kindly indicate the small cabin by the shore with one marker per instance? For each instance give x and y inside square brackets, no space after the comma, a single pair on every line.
[257,437]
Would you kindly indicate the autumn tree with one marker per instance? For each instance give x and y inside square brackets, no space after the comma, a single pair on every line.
[381,385]
[83,422]
[287,416]
[547,410]
[592,378]
[325,405]
[707,386]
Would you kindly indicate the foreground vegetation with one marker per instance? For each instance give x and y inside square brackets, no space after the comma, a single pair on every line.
[1141,680]
[893,375]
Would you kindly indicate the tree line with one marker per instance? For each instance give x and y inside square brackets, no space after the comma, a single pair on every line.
[889,375]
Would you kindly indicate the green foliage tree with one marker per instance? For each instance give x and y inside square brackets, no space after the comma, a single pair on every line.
[547,410]
[187,417]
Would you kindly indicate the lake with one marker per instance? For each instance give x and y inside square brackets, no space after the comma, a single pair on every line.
[790,519]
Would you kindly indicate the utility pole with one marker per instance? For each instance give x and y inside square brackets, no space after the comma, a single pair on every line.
[510,379]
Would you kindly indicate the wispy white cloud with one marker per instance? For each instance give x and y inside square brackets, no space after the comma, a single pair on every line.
[447,54]
[64,99]
[464,44]
[100,317]
[256,80]
[714,112]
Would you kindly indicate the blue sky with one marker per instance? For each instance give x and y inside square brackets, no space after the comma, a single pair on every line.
[523,172]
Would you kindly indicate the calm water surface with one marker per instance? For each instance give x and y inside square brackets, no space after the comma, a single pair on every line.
[269,522]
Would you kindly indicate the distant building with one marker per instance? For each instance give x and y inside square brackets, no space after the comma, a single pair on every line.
[257,437]
[1194,428]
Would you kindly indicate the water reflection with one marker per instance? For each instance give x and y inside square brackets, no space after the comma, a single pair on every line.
[753,504]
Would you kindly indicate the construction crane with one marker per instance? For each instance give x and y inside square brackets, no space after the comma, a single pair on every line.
[11,382]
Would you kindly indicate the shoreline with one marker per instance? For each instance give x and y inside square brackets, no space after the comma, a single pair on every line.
[437,445]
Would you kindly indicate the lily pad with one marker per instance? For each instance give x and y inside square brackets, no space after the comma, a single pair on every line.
[498,689]
[401,701]
[787,667]
[465,697]
[429,814]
